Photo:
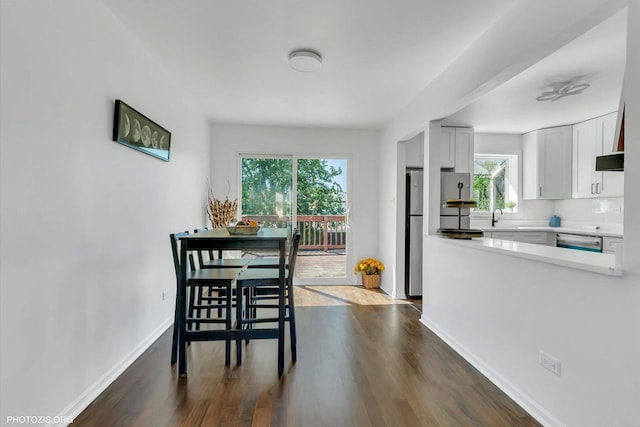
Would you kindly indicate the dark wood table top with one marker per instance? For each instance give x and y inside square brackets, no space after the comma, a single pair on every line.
[219,238]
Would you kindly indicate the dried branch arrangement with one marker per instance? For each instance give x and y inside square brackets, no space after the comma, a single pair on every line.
[221,213]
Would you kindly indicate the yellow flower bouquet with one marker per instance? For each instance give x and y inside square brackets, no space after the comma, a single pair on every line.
[368,266]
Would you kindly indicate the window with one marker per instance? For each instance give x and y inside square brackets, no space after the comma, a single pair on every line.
[495,182]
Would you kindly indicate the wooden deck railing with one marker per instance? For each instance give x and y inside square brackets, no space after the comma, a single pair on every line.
[323,232]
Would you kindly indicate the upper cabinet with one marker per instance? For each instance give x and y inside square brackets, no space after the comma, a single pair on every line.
[546,163]
[456,149]
[593,138]
[414,151]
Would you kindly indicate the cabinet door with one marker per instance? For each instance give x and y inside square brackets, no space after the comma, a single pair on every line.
[554,168]
[414,153]
[537,237]
[464,150]
[505,235]
[530,166]
[608,184]
[609,244]
[448,148]
[584,159]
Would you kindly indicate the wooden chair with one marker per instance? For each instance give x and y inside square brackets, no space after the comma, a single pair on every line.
[262,262]
[220,279]
[215,259]
[259,285]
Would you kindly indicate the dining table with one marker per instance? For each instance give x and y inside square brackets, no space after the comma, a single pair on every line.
[268,239]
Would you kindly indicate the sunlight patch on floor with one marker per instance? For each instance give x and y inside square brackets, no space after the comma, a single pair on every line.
[326,295]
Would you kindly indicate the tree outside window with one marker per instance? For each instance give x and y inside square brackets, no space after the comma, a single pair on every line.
[495,182]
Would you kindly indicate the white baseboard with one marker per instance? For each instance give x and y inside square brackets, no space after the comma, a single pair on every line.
[531,406]
[89,395]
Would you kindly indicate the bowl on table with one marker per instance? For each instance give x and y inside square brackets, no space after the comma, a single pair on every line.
[243,229]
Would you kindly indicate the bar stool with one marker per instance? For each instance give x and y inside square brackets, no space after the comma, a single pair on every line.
[269,262]
[218,261]
[220,279]
[262,284]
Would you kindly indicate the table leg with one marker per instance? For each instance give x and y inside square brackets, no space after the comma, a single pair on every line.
[176,327]
[239,326]
[228,324]
[281,313]
[182,329]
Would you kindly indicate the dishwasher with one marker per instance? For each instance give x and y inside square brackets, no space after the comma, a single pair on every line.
[579,242]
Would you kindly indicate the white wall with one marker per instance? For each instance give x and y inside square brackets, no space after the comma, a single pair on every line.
[499,323]
[499,311]
[390,232]
[360,146]
[606,213]
[85,221]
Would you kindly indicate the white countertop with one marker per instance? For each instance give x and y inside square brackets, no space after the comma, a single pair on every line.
[576,230]
[601,263]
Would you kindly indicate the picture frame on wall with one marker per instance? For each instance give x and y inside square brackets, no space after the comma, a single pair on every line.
[135,130]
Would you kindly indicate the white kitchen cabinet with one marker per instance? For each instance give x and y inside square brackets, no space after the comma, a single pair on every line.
[593,138]
[414,152]
[504,235]
[536,237]
[456,149]
[609,244]
[611,184]
[584,159]
[448,148]
[546,163]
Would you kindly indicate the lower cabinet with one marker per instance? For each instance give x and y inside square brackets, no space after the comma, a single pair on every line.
[609,244]
[537,237]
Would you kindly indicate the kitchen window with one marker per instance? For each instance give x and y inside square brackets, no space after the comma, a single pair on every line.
[495,182]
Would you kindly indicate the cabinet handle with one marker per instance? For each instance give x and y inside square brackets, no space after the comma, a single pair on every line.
[597,188]
[592,188]
[540,191]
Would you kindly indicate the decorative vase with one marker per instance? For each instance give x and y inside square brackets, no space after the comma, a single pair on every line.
[370,281]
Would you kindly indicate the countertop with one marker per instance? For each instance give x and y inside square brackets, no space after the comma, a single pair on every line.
[573,230]
[600,263]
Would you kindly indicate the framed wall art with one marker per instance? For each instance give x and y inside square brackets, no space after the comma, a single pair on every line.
[135,130]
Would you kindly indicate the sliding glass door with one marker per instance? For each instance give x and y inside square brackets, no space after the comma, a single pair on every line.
[267,187]
[319,187]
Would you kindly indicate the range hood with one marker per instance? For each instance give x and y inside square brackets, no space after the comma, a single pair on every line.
[614,162]
[611,162]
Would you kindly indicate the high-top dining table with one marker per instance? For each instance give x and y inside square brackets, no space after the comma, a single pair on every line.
[219,238]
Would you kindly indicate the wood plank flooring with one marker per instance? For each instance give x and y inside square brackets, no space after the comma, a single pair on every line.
[322,266]
[363,360]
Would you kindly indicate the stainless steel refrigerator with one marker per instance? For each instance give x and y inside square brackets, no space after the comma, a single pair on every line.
[449,183]
[413,234]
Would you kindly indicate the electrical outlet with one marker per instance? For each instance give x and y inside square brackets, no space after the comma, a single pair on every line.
[550,363]
[165,294]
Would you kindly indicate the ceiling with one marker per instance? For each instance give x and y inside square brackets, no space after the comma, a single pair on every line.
[598,56]
[231,56]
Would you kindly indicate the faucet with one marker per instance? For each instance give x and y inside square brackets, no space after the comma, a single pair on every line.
[495,220]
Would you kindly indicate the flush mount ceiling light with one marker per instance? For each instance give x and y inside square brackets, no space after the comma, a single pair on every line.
[562,89]
[305,60]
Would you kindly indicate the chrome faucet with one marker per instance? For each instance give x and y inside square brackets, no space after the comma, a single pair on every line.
[495,220]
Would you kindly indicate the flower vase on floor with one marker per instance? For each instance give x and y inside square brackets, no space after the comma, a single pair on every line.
[369,269]
[370,281]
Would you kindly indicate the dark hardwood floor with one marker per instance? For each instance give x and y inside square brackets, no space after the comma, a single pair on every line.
[363,360]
